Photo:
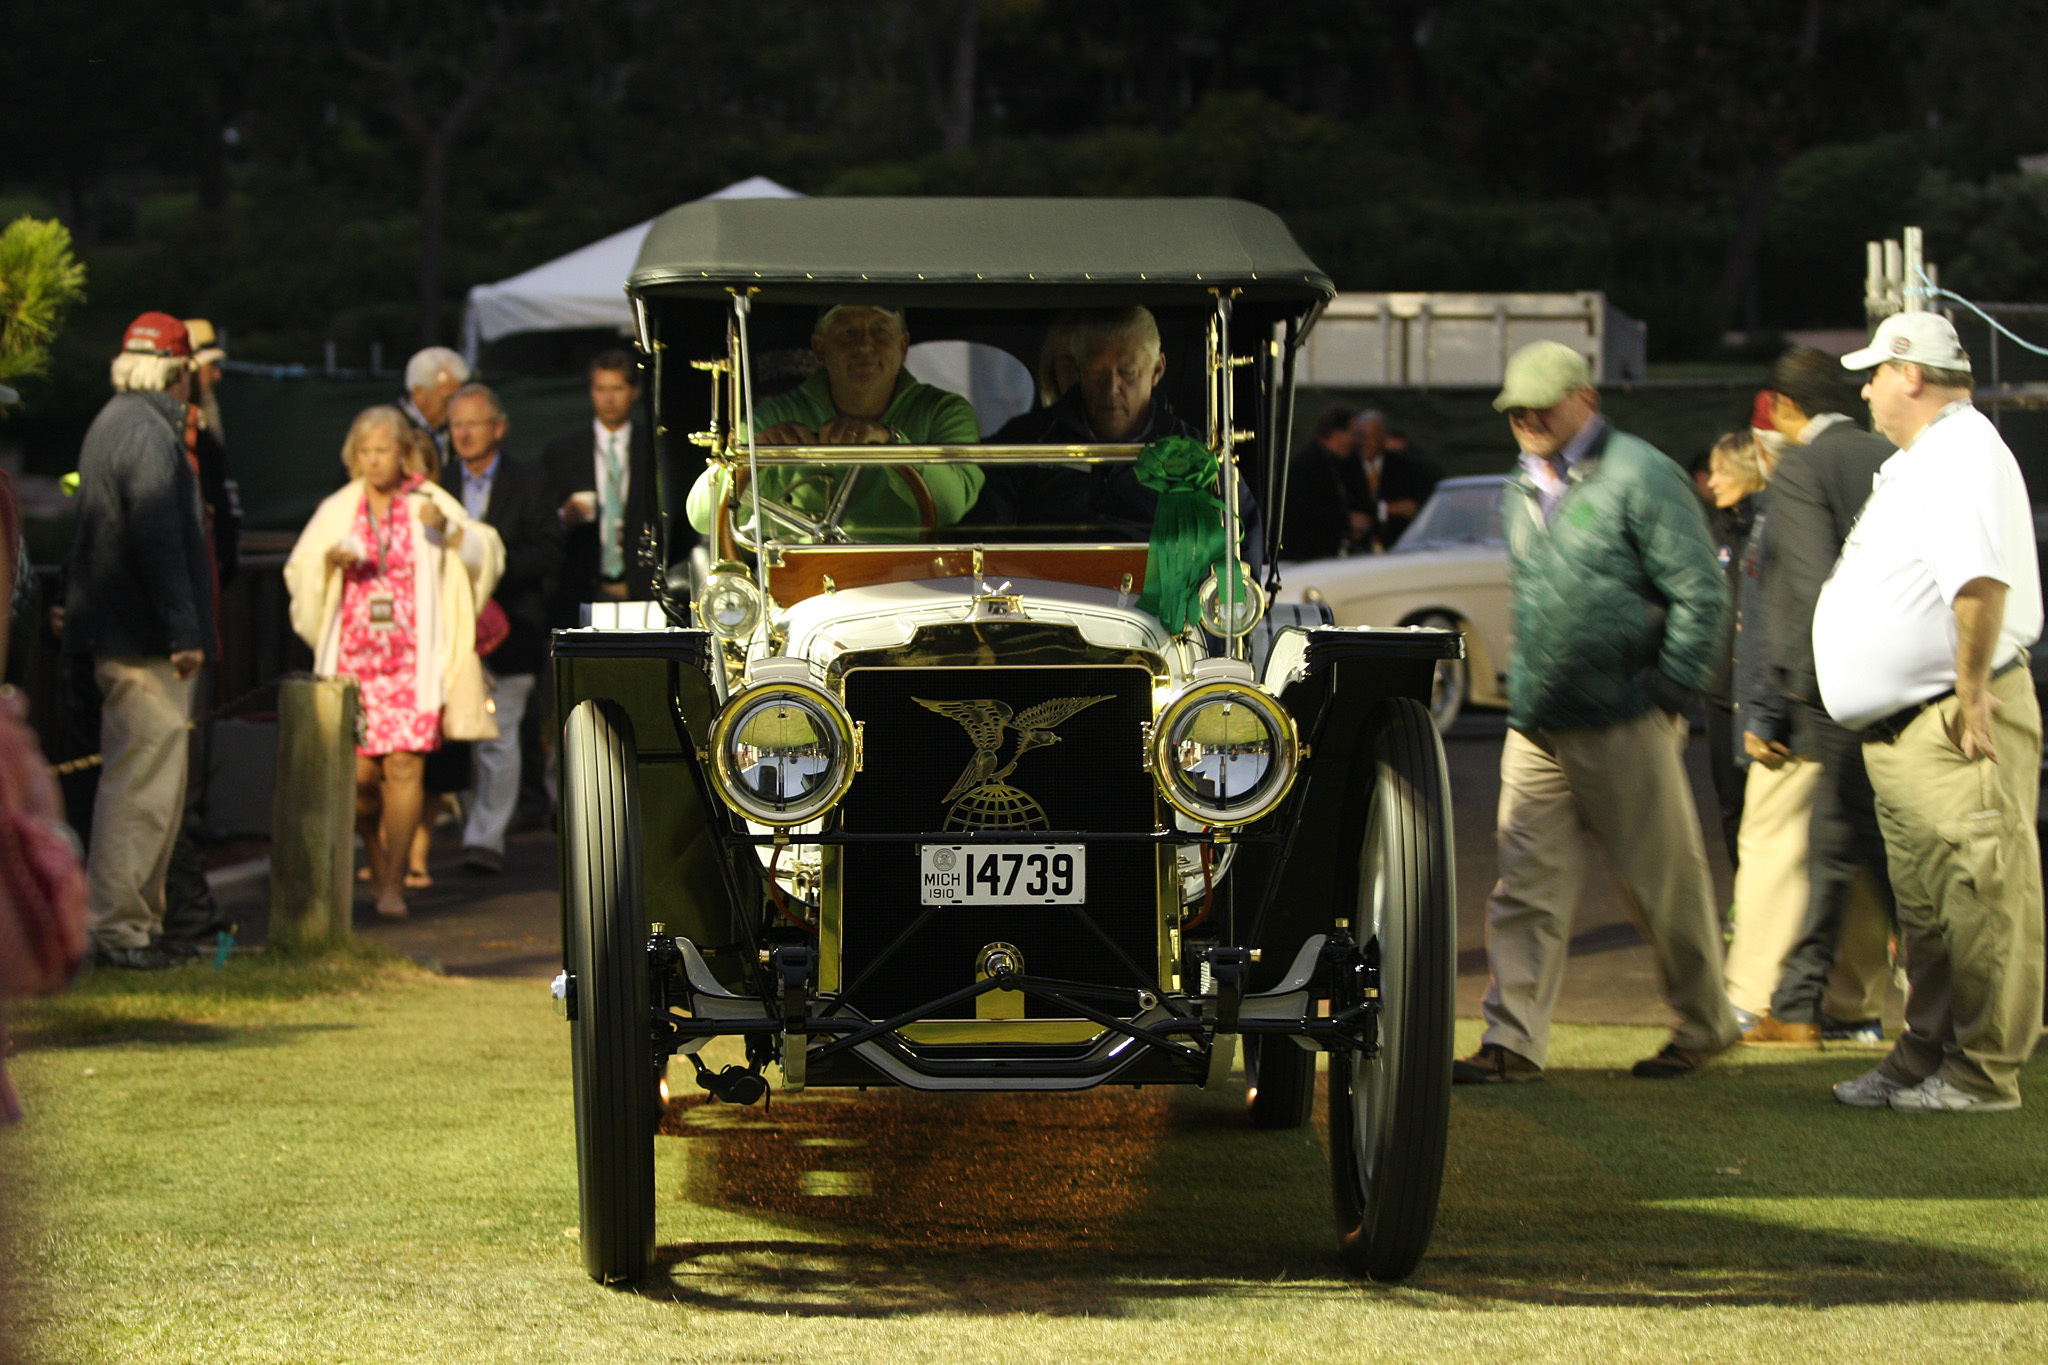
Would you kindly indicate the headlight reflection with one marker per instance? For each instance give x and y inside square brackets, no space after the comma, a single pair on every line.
[782,753]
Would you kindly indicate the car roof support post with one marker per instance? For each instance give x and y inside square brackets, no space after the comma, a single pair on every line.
[742,306]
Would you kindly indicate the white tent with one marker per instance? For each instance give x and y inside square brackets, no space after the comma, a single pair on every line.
[586,288]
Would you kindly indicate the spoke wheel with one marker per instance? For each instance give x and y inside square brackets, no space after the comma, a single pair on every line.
[1279,1081]
[1451,687]
[1390,1113]
[611,1038]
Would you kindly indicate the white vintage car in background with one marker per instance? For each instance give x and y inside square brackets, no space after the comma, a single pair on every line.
[1450,570]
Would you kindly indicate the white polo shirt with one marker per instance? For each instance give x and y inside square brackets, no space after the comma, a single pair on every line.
[1948,509]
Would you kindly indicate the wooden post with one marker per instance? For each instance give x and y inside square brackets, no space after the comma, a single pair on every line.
[312,828]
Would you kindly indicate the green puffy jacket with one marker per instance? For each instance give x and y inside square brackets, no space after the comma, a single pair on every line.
[1620,600]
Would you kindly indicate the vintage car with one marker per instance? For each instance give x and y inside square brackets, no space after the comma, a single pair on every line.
[944,806]
[1449,570]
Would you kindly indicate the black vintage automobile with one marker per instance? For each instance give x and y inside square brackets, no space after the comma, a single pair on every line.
[946,803]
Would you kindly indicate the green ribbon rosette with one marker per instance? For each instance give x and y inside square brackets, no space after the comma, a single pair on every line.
[1187,530]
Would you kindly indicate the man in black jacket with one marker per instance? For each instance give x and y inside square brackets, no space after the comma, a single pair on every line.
[1118,357]
[514,500]
[1389,486]
[1820,486]
[601,478]
[431,378]
[139,602]
[1320,519]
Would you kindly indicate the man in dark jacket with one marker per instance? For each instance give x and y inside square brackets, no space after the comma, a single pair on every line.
[514,500]
[1386,484]
[1320,519]
[140,603]
[431,378]
[1618,608]
[1820,486]
[1117,354]
[601,477]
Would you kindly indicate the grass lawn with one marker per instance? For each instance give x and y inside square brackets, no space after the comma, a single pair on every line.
[352,1160]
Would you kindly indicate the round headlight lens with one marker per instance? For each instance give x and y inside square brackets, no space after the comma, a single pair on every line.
[730,605]
[1247,604]
[782,754]
[1225,753]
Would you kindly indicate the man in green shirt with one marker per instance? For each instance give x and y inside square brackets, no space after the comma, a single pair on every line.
[859,396]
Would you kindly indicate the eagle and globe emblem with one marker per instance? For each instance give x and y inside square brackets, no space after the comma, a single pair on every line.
[981,799]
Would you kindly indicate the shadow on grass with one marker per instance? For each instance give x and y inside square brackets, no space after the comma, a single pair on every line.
[87,1030]
[1566,1193]
[198,1003]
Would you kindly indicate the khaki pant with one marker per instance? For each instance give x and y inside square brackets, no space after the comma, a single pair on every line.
[1771,888]
[141,797]
[1966,871]
[1624,789]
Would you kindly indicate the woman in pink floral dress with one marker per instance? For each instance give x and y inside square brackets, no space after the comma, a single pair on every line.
[369,579]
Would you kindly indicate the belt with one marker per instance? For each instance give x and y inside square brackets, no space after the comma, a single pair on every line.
[1889,728]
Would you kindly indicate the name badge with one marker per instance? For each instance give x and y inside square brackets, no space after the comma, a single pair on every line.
[383,611]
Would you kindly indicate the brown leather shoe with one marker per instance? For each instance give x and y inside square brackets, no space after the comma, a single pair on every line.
[1773,1032]
[1494,1065]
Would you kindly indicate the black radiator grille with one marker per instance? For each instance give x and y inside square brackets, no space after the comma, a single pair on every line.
[1082,769]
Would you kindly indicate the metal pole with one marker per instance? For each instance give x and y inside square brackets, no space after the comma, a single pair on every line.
[1385,313]
[1423,316]
[1226,418]
[741,307]
[1913,295]
[1997,406]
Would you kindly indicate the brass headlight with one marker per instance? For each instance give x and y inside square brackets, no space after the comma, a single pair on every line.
[782,753]
[1247,604]
[730,605]
[1224,753]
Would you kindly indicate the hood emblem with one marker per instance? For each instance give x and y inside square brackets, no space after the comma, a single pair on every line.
[981,799]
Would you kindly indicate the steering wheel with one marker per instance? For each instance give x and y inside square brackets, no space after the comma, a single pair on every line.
[823,530]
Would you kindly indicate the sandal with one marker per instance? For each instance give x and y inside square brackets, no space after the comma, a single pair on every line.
[391,911]
[418,880]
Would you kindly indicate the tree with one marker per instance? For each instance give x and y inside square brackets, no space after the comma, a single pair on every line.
[436,78]
[40,281]
[953,94]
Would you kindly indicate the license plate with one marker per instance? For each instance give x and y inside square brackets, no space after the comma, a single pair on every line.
[1012,874]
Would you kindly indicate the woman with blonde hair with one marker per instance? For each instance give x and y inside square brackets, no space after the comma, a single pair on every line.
[384,584]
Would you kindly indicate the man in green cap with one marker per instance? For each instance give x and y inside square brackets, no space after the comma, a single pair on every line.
[1618,603]
[859,395]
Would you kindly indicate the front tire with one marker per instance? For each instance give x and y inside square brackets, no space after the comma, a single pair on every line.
[1390,1113]
[611,1040]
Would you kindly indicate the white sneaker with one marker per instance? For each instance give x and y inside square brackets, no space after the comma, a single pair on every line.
[1936,1096]
[1872,1090]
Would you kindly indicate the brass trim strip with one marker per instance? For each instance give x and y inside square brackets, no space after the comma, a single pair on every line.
[1002,1031]
[770,456]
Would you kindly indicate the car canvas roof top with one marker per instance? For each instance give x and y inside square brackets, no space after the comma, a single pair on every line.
[1047,252]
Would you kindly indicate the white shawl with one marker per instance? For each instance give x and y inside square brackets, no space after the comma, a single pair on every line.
[447,585]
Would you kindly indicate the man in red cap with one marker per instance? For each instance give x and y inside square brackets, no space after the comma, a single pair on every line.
[139,603]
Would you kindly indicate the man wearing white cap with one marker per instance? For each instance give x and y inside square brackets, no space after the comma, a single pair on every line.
[1920,640]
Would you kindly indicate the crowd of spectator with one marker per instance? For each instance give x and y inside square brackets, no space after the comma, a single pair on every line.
[1353,488]
[1853,608]
[1857,619]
